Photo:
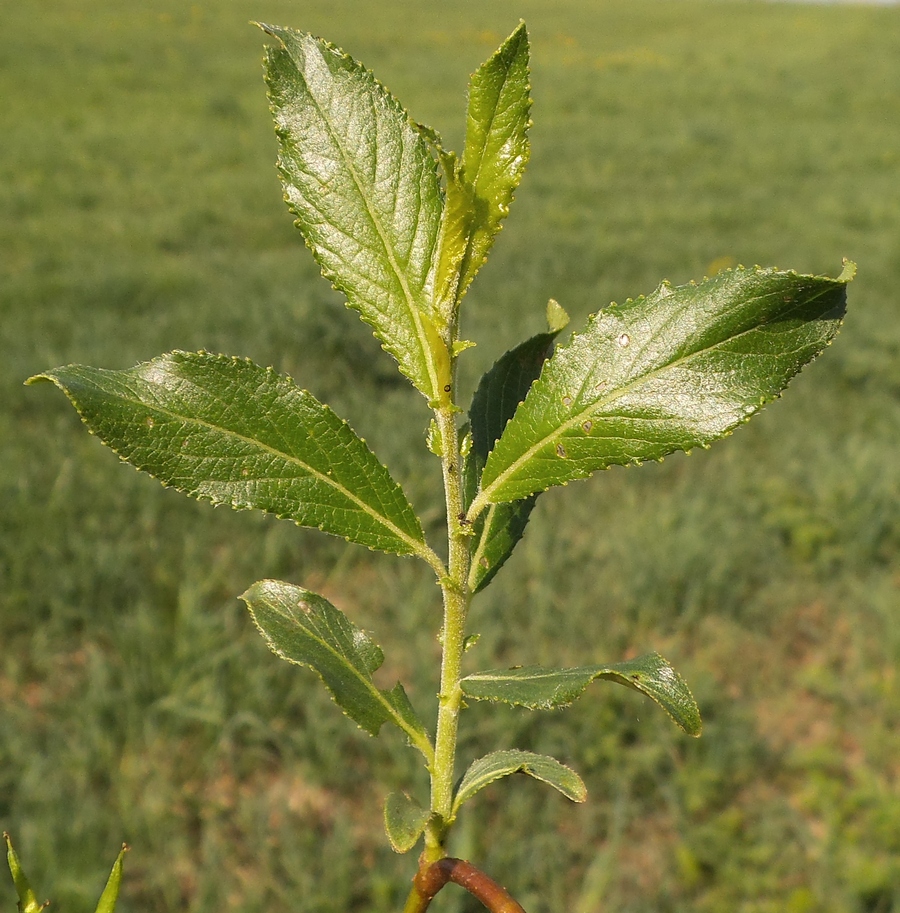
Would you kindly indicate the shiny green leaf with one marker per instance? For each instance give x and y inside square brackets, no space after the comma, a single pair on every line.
[501,390]
[672,371]
[307,630]
[503,763]
[404,821]
[225,430]
[538,688]
[28,902]
[497,146]
[110,893]
[364,188]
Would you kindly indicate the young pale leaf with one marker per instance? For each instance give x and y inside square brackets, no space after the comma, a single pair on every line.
[28,902]
[497,147]
[404,821]
[306,629]
[501,390]
[110,893]
[364,188]
[538,688]
[503,763]
[228,431]
[676,370]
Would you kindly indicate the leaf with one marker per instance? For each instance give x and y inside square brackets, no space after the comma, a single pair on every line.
[28,902]
[307,630]
[503,763]
[457,225]
[225,430]
[676,370]
[497,147]
[110,895]
[538,688]
[404,821]
[365,191]
[501,526]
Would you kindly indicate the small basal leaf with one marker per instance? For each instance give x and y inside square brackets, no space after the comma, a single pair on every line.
[28,902]
[306,629]
[225,430]
[503,763]
[497,146]
[673,371]
[364,187]
[538,688]
[404,821]
[501,390]
[110,893]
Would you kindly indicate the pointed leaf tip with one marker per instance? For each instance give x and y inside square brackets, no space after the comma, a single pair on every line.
[28,902]
[481,185]
[539,688]
[677,369]
[499,764]
[228,431]
[306,629]
[364,188]
[107,902]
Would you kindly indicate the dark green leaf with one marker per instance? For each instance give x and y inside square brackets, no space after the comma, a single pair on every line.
[306,629]
[676,370]
[225,430]
[364,187]
[538,688]
[503,763]
[28,902]
[501,390]
[110,893]
[404,821]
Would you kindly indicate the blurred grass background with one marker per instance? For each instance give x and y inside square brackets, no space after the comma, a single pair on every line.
[140,212]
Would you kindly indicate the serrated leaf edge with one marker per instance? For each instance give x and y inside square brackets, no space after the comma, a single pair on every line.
[483,498]
[520,761]
[437,362]
[419,738]
[610,671]
[416,546]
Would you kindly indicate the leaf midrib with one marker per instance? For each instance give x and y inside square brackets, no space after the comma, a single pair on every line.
[482,229]
[404,285]
[483,496]
[366,680]
[418,546]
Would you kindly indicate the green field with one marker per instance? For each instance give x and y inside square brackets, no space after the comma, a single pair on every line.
[140,212]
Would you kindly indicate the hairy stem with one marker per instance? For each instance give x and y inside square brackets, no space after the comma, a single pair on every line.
[456,605]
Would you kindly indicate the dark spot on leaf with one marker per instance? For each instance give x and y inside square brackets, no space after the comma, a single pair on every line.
[560,451]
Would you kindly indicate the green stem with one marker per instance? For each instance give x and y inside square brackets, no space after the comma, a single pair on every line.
[457,596]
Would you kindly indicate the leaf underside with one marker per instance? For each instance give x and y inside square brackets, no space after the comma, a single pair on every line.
[538,688]
[307,630]
[364,187]
[497,531]
[225,430]
[678,369]
[503,763]
[404,821]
